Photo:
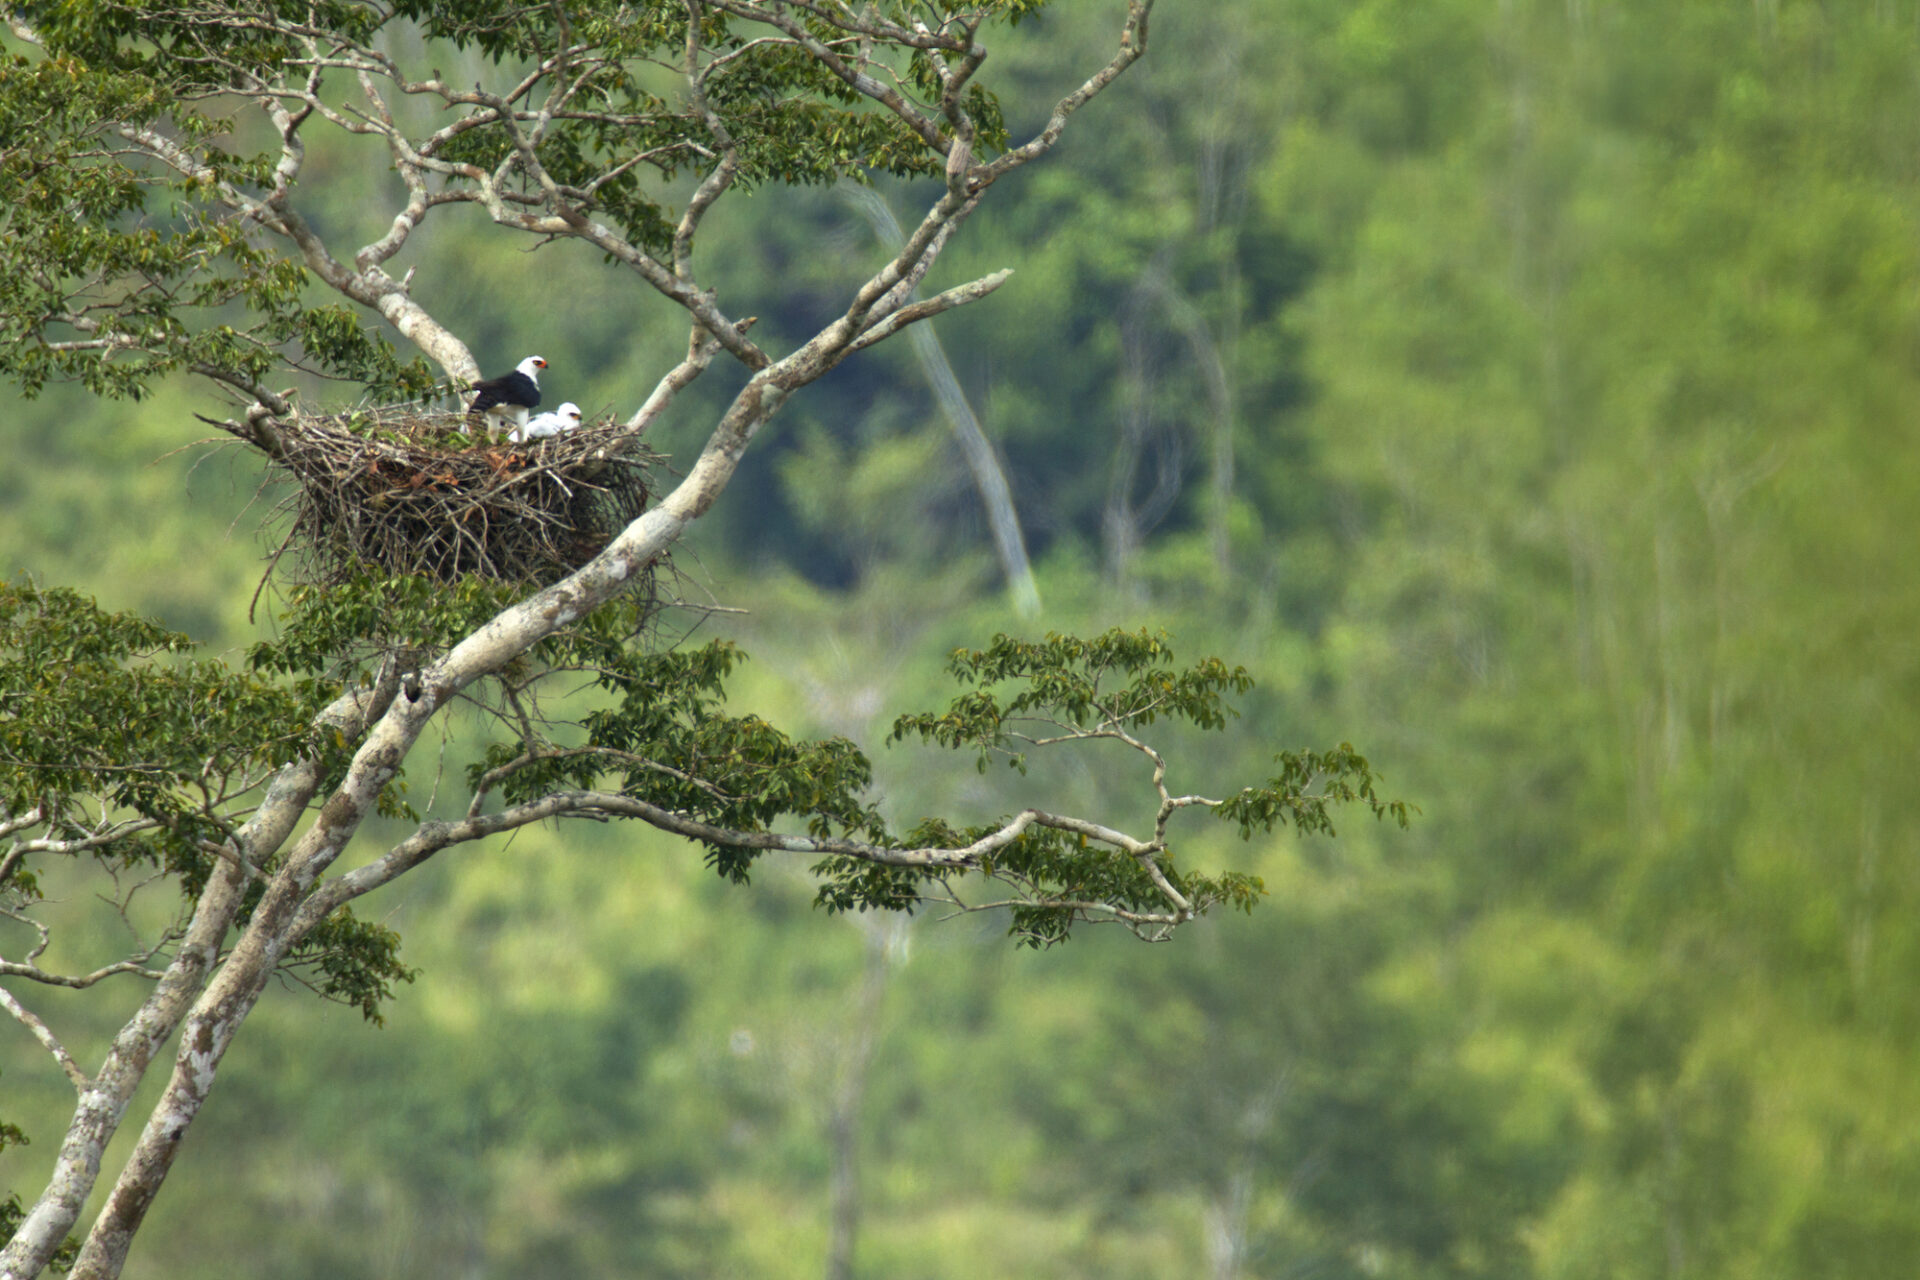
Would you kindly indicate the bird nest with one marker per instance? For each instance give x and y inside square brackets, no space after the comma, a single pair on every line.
[414,493]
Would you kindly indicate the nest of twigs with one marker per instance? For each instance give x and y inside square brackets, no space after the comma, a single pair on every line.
[424,493]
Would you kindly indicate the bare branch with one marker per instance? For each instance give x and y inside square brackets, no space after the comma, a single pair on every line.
[202,996]
[77,982]
[716,183]
[188,165]
[8,826]
[875,28]
[888,288]
[699,302]
[418,202]
[371,288]
[435,836]
[1094,911]
[701,347]
[1133,45]
[80,844]
[958,296]
[858,81]
[44,1034]
[493,777]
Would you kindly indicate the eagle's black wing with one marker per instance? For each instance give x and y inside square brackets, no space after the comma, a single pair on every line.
[509,388]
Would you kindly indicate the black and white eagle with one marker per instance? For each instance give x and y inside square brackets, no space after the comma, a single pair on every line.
[560,421]
[509,396]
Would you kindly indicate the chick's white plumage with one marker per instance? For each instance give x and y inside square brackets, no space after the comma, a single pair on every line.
[561,420]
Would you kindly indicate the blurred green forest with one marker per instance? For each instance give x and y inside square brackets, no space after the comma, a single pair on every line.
[1527,391]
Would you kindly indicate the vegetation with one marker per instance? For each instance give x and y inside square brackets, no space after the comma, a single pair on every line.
[1522,391]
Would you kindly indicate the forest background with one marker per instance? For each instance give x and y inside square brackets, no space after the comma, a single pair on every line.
[1527,391]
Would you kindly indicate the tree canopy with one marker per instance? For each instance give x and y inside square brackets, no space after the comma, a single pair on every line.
[1523,391]
[159,223]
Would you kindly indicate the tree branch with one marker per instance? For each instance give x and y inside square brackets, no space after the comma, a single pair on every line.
[97,1118]
[858,81]
[77,982]
[204,996]
[926,309]
[44,1034]
[716,183]
[701,347]
[432,837]
[1133,46]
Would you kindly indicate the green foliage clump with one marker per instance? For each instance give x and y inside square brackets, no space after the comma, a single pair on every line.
[136,754]
[125,260]
[1308,783]
[115,273]
[341,632]
[1071,689]
[356,962]
[1061,679]
[122,742]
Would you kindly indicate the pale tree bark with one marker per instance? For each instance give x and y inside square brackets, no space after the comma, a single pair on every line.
[1212,365]
[983,461]
[1127,517]
[1140,434]
[1230,1207]
[886,949]
[205,998]
[1226,1218]
[104,1099]
[1226,155]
